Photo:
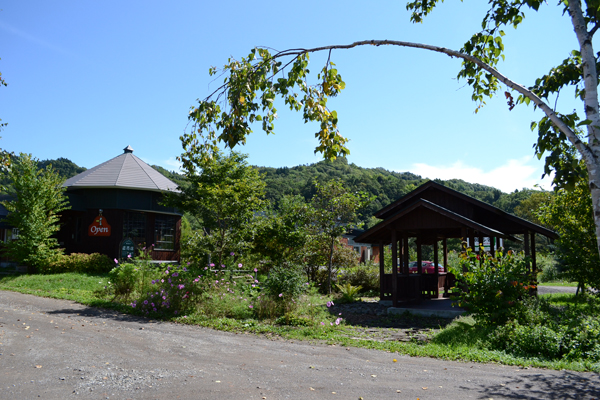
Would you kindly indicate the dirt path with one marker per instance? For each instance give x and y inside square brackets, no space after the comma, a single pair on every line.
[55,349]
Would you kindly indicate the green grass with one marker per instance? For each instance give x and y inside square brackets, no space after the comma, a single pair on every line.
[68,286]
[559,283]
[461,340]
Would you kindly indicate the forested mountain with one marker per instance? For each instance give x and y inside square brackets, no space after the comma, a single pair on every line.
[386,186]
[65,167]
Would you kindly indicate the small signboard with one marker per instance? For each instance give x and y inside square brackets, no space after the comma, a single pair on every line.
[99,227]
[486,243]
[127,248]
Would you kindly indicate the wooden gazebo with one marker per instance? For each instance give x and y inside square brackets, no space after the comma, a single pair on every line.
[431,214]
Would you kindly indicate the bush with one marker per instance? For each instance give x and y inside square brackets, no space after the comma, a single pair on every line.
[173,293]
[122,281]
[366,276]
[79,262]
[527,340]
[283,287]
[492,287]
[549,268]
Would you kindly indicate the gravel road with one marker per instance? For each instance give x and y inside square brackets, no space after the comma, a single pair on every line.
[56,349]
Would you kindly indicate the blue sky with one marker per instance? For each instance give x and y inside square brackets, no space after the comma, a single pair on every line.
[86,79]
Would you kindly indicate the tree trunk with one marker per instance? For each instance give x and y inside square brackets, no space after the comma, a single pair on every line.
[590,80]
[329,266]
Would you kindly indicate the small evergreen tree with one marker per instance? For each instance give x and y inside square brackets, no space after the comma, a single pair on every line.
[37,199]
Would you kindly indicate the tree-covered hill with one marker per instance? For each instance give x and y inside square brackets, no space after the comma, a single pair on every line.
[386,186]
[66,168]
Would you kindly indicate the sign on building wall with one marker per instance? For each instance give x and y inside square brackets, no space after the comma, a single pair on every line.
[99,227]
[127,248]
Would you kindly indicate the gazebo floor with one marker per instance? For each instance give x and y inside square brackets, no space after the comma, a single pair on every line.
[441,307]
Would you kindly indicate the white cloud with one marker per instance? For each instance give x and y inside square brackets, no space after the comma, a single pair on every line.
[515,174]
[173,163]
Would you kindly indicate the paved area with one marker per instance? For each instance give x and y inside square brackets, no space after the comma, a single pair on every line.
[55,349]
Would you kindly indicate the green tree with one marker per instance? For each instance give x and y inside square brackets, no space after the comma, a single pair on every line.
[283,233]
[224,194]
[252,84]
[37,200]
[570,214]
[335,211]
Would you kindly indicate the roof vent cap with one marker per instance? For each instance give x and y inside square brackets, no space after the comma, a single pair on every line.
[128,149]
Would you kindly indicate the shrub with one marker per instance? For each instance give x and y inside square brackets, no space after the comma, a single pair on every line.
[79,262]
[366,276]
[527,340]
[549,268]
[122,281]
[283,287]
[348,293]
[582,340]
[131,276]
[173,293]
[492,287]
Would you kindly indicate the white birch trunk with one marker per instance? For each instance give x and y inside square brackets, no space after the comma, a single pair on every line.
[590,81]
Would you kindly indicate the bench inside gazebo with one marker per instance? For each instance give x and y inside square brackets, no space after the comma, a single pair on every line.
[432,214]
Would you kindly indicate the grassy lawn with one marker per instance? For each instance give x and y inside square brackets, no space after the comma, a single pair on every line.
[451,340]
[559,283]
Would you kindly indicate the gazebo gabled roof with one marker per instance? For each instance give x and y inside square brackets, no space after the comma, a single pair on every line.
[423,217]
[125,171]
[467,207]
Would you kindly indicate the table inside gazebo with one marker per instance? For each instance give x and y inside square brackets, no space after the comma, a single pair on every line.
[416,287]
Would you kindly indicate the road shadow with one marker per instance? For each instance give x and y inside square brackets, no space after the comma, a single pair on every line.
[105,313]
[565,385]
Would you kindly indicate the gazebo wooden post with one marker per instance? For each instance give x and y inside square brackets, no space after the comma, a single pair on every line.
[445,251]
[472,240]
[436,273]
[381,269]
[419,257]
[526,248]
[480,250]
[394,269]
[492,246]
[533,261]
[401,251]
[406,255]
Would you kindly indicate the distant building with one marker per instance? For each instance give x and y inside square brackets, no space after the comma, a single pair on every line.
[364,251]
[116,207]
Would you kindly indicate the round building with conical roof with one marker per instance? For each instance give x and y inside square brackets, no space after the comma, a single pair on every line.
[116,207]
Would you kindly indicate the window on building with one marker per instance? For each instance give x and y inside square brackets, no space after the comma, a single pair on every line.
[164,229]
[15,234]
[134,226]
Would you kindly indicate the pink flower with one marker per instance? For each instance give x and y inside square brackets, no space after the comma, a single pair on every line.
[280,294]
[322,323]
[255,270]
[329,304]
[239,265]
[116,261]
[232,254]
[250,306]
[128,255]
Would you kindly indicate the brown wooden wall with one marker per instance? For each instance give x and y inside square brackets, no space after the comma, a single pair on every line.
[75,239]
